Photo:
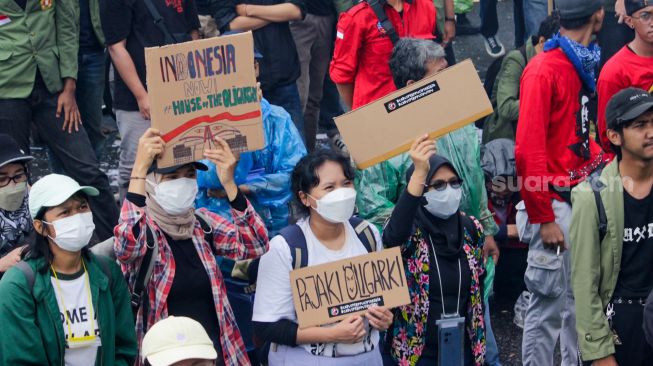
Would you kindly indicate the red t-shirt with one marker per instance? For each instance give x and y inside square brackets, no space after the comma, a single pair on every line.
[362,49]
[553,144]
[625,69]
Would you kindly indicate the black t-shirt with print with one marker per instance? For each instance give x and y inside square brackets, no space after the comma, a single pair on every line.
[130,20]
[636,274]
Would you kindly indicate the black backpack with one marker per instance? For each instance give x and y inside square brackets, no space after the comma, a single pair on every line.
[491,75]
[296,240]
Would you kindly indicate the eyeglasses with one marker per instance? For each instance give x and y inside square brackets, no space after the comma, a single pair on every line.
[441,185]
[644,16]
[18,178]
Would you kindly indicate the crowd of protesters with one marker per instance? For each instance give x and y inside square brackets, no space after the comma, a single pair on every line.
[190,264]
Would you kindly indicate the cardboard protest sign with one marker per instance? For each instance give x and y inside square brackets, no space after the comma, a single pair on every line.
[436,105]
[330,292]
[202,89]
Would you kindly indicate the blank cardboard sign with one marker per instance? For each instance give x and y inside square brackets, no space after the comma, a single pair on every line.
[202,89]
[435,105]
[330,292]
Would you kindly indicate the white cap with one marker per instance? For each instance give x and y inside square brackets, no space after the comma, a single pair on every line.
[176,339]
[53,190]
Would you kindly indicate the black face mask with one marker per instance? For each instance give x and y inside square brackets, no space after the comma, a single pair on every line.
[500,201]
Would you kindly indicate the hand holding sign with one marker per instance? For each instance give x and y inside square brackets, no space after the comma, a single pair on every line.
[379,317]
[351,330]
[150,145]
[420,152]
[225,164]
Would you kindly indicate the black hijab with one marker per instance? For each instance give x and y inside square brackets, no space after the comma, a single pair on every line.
[445,234]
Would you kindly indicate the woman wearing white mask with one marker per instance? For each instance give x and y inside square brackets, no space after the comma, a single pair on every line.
[442,250]
[64,305]
[185,279]
[322,183]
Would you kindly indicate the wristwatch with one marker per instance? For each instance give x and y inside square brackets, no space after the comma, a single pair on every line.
[450,19]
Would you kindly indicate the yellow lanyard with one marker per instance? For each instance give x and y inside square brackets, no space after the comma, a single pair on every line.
[91,335]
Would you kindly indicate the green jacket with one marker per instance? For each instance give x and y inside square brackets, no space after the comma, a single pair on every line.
[595,266]
[505,96]
[44,35]
[32,332]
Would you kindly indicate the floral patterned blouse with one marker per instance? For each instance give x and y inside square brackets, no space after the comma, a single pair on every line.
[408,337]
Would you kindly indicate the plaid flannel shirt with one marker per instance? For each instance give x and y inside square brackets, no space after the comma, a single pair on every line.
[246,238]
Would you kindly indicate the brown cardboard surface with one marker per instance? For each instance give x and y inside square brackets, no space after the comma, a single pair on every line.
[333,291]
[435,105]
[202,89]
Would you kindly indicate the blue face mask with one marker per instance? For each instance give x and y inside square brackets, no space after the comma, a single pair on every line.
[443,204]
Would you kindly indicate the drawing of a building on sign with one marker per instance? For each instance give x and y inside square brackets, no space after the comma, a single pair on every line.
[202,137]
[182,154]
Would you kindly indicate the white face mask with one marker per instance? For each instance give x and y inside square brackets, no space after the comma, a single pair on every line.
[73,232]
[443,203]
[336,206]
[176,196]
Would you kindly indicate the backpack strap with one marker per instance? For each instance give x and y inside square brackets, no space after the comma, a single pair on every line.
[597,187]
[144,271]
[296,240]
[522,50]
[159,21]
[377,6]
[207,229]
[365,233]
[28,272]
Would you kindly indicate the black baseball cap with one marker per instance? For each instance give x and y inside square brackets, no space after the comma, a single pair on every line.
[627,105]
[171,169]
[634,5]
[577,9]
[10,152]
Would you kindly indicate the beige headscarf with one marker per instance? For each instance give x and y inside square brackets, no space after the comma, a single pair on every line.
[178,227]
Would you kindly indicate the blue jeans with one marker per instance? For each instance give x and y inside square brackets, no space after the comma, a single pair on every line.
[535,11]
[287,97]
[491,348]
[89,95]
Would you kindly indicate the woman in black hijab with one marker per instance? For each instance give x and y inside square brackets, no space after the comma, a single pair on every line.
[442,251]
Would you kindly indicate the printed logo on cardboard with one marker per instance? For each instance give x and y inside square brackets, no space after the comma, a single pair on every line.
[411,97]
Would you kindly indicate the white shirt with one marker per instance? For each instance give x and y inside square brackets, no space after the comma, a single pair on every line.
[74,293]
[274,295]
